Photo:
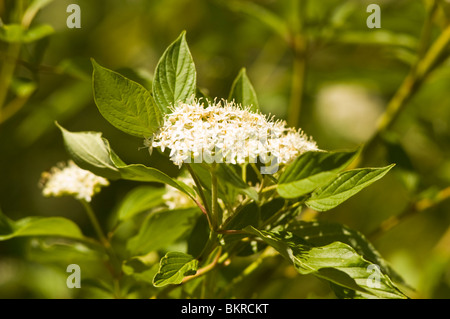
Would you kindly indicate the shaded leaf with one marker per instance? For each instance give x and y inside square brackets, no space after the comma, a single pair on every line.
[138,200]
[249,215]
[161,229]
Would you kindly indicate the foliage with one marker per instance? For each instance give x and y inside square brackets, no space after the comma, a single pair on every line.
[162,231]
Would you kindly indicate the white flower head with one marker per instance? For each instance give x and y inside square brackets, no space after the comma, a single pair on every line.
[69,179]
[176,199]
[224,132]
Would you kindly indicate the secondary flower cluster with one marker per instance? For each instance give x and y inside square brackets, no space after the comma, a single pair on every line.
[175,199]
[71,180]
[227,133]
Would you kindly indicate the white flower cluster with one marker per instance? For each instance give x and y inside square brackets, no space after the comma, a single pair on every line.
[227,133]
[71,180]
[176,199]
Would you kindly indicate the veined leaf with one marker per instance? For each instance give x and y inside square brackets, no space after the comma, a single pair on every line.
[175,75]
[38,226]
[311,170]
[320,233]
[174,266]
[243,93]
[92,152]
[345,186]
[336,262]
[124,103]
[161,229]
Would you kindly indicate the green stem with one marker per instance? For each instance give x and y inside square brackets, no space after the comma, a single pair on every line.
[94,221]
[411,210]
[409,86]
[114,260]
[298,78]
[198,184]
[268,252]
[298,44]
[244,172]
[216,220]
[269,188]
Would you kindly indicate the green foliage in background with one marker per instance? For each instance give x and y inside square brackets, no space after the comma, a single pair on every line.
[311,230]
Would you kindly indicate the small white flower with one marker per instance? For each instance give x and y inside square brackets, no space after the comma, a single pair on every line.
[228,133]
[71,180]
[176,199]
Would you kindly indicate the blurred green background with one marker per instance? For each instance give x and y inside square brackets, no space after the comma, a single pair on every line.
[351,74]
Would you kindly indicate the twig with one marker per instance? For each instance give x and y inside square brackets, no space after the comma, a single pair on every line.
[412,209]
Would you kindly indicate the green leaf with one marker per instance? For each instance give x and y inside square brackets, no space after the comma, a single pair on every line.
[16,33]
[232,179]
[271,207]
[161,229]
[92,152]
[243,93]
[174,267]
[138,200]
[198,237]
[142,173]
[249,215]
[124,103]
[38,226]
[320,233]
[175,75]
[336,262]
[345,186]
[229,181]
[311,170]
[142,268]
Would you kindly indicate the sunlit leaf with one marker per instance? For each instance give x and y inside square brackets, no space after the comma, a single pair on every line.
[345,186]
[174,267]
[175,75]
[336,262]
[124,103]
[243,93]
[311,170]
[92,152]
[38,226]
[320,233]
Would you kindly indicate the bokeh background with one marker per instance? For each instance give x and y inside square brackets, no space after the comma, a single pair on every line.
[351,74]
